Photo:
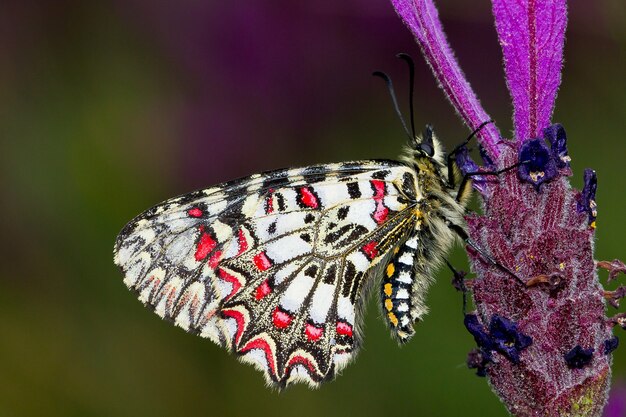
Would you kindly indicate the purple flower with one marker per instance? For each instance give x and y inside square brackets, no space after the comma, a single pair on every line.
[578,357]
[558,141]
[546,345]
[610,345]
[587,199]
[482,338]
[539,165]
[478,359]
[503,337]
[507,339]
[465,162]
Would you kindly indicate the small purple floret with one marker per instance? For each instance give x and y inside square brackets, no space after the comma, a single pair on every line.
[610,345]
[507,339]
[555,134]
[465,162]
[587,200]
[478,331]
[479,359]
[538,164]
[503,336]
[579,357]
[458,281]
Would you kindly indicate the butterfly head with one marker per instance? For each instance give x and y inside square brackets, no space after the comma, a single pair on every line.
[426,151]
[425,145]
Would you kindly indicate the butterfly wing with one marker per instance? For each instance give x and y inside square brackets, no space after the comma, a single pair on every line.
[273,266]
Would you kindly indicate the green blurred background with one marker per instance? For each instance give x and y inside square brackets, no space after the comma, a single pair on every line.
[107,108]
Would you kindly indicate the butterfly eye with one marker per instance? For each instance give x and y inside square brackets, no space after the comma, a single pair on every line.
[426,145]
[428,149]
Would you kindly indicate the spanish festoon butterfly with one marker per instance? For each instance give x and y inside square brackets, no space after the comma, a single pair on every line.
[276,266]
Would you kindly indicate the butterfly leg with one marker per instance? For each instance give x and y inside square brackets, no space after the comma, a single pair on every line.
[451,158]
[469,175]
[483,254]
[458,282]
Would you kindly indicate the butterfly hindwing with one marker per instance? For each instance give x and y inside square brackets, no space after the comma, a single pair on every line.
[273,266]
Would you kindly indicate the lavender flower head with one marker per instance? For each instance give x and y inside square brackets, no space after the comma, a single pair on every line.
[543,339]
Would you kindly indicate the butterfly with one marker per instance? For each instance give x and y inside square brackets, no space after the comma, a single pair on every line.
[276,267]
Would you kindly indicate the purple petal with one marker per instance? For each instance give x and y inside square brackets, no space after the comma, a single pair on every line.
[610,345]
[507,339]
[587,199]
[578,357]
[478,331]
[423,20]
[479,359]
[558,141]
[465,162]
[531,33]
[539,164]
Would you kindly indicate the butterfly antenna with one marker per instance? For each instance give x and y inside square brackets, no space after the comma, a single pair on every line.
[407,58]
[392,93]
[469,138]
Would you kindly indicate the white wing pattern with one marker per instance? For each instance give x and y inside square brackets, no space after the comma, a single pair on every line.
[274,266]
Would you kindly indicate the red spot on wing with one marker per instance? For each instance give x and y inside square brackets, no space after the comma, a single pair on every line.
[269,204]
[239,319]
[262,290]
[243,242]
[381,212]
[215,259]
[225,276]
[280,318]
[344,328]
[301,360]
[313,333]
[263,345]
[308,198]
[262,261]
[205,245]
[379,189]
[370,249]
[194,212]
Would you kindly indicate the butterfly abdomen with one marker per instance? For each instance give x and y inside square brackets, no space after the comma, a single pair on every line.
[409,274]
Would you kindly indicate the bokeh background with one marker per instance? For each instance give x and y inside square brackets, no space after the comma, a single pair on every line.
[107,108]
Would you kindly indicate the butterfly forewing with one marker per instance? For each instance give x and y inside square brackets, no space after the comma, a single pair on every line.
[273,266]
